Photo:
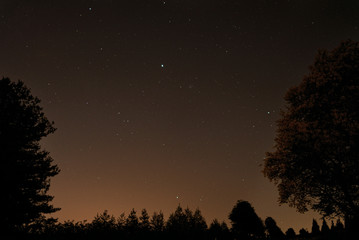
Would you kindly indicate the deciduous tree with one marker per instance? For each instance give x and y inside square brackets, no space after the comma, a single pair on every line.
[315,163]
[274,232]
[245,222]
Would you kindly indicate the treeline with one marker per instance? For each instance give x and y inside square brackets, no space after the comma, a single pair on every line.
[182,224]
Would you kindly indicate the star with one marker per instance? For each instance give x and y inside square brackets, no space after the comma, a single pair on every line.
[162,65]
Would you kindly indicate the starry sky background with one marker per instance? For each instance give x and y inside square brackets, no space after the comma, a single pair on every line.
[165,102]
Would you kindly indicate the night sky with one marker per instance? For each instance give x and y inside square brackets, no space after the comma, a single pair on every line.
[160,103]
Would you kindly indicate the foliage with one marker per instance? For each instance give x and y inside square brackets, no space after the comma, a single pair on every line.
[339,226]
[218,230]
[325,227]
[315,162]
[290,233]
[26,168]
[186,224]
[303,233]
[106,226]
[157,222]
[198,223]
[315,227]
[274,232]
[121,222]
[144,221]
[104,223]
[177,221]
[132,222]
[245,222]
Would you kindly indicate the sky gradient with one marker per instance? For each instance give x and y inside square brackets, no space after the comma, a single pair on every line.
[160,103]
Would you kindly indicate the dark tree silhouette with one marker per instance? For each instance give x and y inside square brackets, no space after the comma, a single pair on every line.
[69,228]
[245,222]
[132,223]
[215,229]
[303,233]
[104,223]
[290,233]
[157,222]
[337,231]
[144,221]
[339,225]
[186,225]
[332,226]
[315,228]
[325,227]
[177,222]
[198,223]
[274,232]
[121,222]
[26,168]
[218,230]
[315,162]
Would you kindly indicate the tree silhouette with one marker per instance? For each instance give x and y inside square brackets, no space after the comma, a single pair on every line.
[303,233]
[245,222]
[177,222]
[325,227]
[339,225]
[225,230]
[144,221]
[121,222]
[71,229]
[337,231]
[198,225]
[104,223]
[186,225]
[26,168]
[290,233]
[158,222]
[315,228]
[215,229]
[315,162]
[218,230]
[132,223]
[274,232]
[332,226]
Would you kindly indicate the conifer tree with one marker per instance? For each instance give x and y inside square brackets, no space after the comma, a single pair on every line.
[26,168]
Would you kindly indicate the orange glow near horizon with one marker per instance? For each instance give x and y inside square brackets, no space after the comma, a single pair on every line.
[158,104]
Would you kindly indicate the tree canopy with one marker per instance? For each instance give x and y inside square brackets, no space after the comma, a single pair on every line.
[26,168]
[315,163]
[274,232]
[315,227]
[187,224]
[245,222]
